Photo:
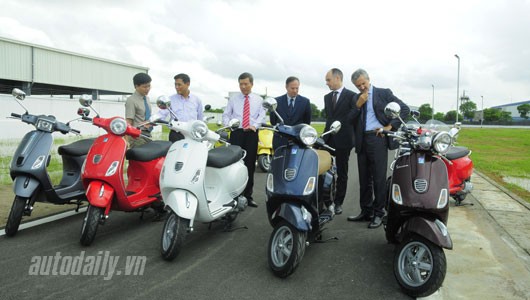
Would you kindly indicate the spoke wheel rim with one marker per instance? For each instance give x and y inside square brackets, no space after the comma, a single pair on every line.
[415,264]
[282,246]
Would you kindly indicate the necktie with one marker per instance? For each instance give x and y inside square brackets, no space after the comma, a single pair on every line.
[246,113]
[147,110]
[291,104]
[334,100]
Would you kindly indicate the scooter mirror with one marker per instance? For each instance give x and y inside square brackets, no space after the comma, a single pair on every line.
[392,110]
[335,126]
[162,102]
[234,123]
[207,107]
[415,114]
[83,112]
[85,100]
[269,104]
[19,94]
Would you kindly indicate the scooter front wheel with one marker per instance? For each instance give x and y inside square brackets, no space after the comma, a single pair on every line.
[15,216]
[173,236]
[419,266]
[286,249]
[264,162]
[90,225]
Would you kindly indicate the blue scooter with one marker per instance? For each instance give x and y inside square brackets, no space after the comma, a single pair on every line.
[31,181]
[300,191]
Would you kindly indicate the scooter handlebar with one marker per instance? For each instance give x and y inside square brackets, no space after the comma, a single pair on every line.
[16,115]
[75,131]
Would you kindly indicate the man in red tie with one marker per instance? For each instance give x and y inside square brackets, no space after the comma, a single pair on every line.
[246,107]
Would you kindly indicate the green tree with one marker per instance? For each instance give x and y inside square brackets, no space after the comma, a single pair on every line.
[439,116]
[425,112]
[523,110]
[450,116]
[315,112]
[496,115]
[468,109]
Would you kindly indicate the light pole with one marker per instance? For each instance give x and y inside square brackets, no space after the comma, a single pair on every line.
[432,101]
[482,118]
[457,86]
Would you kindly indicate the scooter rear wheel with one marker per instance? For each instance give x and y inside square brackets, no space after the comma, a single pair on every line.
[90,225]
[286,249]
[173,236]
[15,216]
[419,266]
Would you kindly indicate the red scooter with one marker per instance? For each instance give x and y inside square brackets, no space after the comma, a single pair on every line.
[459,164]
[102,173]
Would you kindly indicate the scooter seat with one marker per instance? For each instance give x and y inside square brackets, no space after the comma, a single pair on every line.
[77,148]
[324,161]
[457,152]
[149,151]
[224,156]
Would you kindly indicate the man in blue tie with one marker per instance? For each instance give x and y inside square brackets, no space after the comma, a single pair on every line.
[292,107]
[138,108]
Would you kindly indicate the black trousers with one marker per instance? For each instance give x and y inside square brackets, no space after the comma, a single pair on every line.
[342,156]
[248,140]
[372,161]
[175,136]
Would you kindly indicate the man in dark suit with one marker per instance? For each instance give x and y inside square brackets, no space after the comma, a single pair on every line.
[371,146]
[339,106]
[292,107]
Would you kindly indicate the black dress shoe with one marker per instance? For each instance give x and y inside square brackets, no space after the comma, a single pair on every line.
[376,222]
[338,209]
[363,216]
[252,203]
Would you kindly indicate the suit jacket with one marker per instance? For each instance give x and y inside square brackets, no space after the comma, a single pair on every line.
[301,113]
[343,112]
[381,97]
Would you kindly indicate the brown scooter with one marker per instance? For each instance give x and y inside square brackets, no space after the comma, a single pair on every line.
[417,206]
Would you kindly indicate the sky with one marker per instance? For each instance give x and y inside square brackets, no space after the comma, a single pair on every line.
[407,46]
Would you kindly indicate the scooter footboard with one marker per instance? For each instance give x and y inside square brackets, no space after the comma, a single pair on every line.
[183,203]
[25,186]
[99,194]
[292,213]
[434,231]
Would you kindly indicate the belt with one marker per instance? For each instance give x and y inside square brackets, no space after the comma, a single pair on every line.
[370,132]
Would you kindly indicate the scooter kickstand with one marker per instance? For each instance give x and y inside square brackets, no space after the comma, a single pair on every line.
[229,228]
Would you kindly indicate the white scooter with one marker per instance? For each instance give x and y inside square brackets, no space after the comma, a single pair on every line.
[199,184]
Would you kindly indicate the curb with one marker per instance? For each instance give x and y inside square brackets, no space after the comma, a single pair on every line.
[503,189]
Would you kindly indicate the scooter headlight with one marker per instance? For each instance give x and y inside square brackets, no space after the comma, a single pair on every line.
[441,142]
[199,130]
[118,126]
[442,200]
[44,125]
[396,194]
[308,135]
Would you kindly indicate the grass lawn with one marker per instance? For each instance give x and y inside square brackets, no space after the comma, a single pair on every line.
[500,152]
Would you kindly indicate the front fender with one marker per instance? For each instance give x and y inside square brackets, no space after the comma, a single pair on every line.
[434,231]
[183,203]
[25,186]
[292,213]
[99,193]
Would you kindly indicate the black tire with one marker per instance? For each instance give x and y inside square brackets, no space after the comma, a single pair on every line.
[15,216]
[90,225]
[264,162]
[173,236]
[286,249]
[419,276]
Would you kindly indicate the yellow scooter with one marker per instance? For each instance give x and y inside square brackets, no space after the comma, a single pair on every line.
[265,149]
